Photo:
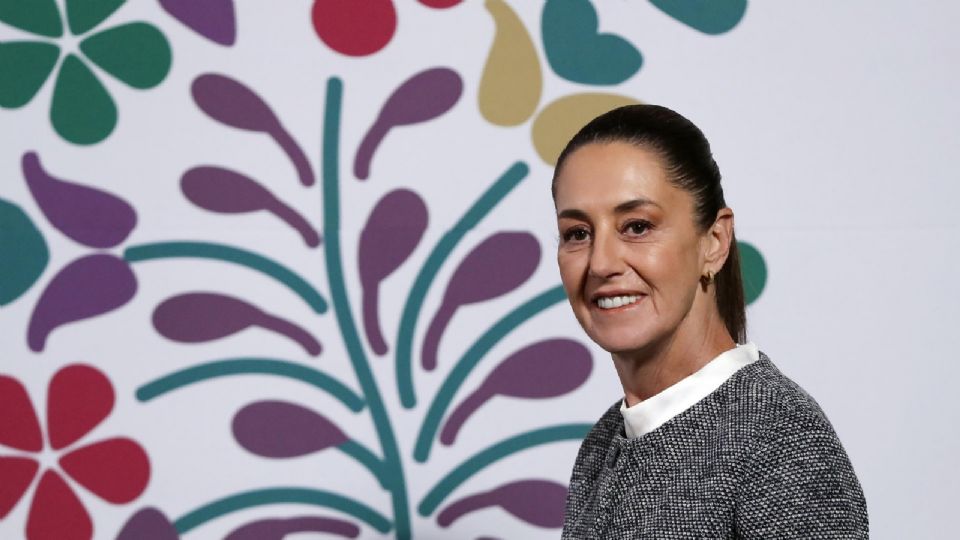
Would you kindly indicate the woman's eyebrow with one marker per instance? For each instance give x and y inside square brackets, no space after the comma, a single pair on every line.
[573,213]
[622,208]
[633,204]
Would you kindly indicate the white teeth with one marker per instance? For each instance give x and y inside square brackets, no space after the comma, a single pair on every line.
[611,302]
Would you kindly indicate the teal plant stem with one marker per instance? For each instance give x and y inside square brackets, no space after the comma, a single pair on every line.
[220,252]
[244,366]
[341,308]
[280,495]
[496,452]
[421,285]
[368,459]
[470,359]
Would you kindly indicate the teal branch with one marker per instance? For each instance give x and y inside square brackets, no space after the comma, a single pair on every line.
[249,366]
[250,499]
[220,252]
[494,453]
[341,308]
[421,285]
[368,459]
[470,359]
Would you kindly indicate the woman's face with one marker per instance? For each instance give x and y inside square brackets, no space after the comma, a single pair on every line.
[630,253]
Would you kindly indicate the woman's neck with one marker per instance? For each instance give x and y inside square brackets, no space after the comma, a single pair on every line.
[646,373]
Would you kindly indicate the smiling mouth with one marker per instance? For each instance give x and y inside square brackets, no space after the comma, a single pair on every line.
[613,302]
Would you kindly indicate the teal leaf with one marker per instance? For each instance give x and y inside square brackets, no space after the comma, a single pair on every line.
[753,270]
[136,53]
[23,252]
[30,64]
[82,111]
[708,16]
[578,52]
[37,16]
[83,15]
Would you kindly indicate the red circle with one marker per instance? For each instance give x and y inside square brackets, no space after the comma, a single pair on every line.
[440,4]
[355,28]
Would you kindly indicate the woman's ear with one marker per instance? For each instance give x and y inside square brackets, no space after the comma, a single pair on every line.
[717,242]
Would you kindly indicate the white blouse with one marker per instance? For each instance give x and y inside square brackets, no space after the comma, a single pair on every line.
[654,411]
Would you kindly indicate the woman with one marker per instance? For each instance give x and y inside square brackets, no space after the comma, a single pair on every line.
[710,439]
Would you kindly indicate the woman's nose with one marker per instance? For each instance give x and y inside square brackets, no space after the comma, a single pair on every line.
[605,256]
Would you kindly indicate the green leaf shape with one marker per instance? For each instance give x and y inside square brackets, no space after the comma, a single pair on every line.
[136,53]
[37,16]
[29,64]
[23,252]
[83,15]
[578,52]
[708,16]
[282,495]
[82,111]
[753,270]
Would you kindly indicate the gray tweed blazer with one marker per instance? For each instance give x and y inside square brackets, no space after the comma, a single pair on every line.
[756,458]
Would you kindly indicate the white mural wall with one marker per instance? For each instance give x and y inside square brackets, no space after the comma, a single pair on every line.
[287,268]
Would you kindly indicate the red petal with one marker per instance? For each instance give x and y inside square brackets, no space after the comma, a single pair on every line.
[79,398]
[19,427]
[117,470]
[16,473]
[56,513]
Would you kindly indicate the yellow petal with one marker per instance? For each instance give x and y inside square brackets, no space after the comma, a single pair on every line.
[512,81]
[559,121]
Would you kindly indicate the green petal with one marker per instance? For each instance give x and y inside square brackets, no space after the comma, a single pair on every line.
[136,53]
[82,110]
[23,252]
[753,270]
[37,16]
[31,63]
[83,15]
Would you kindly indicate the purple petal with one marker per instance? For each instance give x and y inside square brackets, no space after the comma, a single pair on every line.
[87,287]
[498,265]
[277,529]
[213,19]
[538,502]
[278,429]
[87,215]
[148,524]
[199,317]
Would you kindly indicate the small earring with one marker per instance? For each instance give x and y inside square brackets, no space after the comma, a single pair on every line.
[707,279]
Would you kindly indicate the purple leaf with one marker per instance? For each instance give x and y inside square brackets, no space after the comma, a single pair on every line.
[148,524]
[392,232]
[278,429]
[225,191]
[87,287]
[87,215]
[199,317]
[538,502]
[231,102]
[278,529]
[500,264]
[545,369]
[212,19]
[423,97]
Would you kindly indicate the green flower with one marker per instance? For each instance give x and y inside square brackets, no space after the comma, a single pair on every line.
[82,110]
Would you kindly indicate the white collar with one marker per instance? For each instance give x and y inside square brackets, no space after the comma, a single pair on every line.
[653,412]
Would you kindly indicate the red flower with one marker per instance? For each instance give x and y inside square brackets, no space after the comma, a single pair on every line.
[117,470]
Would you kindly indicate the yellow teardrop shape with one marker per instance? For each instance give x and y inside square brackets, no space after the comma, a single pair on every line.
[559,121]
[512,82]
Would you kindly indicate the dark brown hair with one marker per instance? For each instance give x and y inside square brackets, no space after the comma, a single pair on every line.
[690,166]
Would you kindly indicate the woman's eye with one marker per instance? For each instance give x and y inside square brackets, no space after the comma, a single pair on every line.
[637,228]
[575,235]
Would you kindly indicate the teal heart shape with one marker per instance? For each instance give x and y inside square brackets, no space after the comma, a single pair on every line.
[23,251]
[708,16]
[578,52]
